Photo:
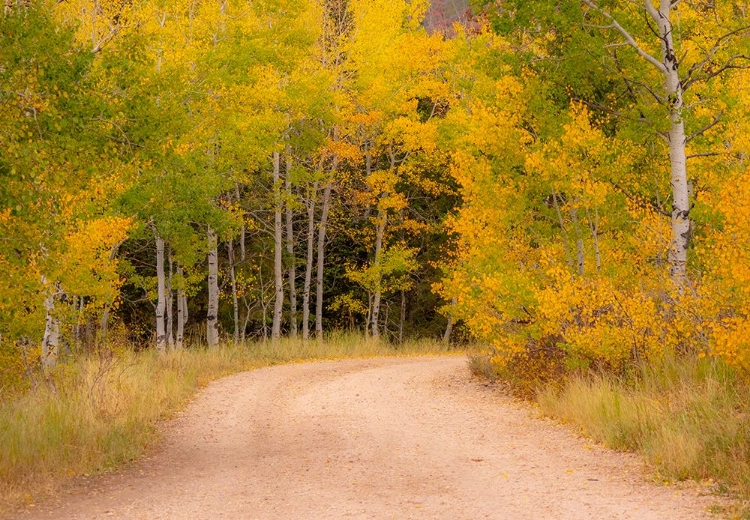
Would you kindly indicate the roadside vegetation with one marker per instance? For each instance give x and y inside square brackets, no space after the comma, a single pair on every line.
[100,411]
[689,417]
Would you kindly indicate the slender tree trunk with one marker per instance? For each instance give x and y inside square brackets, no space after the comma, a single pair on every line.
[104,325]
[235,301]
[449,326]
[277,250]
[566,246]
[379,232]
[594,227]
[170,303]
[402,318]
[321,260]
[580,252]
[77,329]
[243,334]
[181,309]
[212,320]
[368,316]
[309,264]
[677,143]
[242,229]
[292,269]
[105,315]
[161,294]
[51,338]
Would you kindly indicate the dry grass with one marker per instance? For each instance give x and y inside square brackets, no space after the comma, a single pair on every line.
[689,417]
[98,412]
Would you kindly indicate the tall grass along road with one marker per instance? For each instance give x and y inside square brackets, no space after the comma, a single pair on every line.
[379,438]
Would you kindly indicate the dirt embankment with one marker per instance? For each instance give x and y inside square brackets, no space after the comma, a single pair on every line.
[383,438]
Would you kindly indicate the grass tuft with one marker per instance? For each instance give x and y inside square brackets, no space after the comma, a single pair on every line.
[689,417]
[97,412]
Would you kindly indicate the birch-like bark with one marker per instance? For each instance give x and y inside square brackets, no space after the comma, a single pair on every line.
[170,303]
[77,328]
[321,260]
[379,232]
[580,253]
[594,227]
[161,297]
[669,67]
[235,300]
[277,250]
[309,264]
[105,314]
[677,143]
[449,326]
[291,269]
[181,310]
[402,318]
[242,229]
[560,220]
[212,320]
[51,338]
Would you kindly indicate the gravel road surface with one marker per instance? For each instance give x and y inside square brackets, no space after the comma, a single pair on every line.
[379,438]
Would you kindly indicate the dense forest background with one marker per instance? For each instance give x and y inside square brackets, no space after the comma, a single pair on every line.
[557,179]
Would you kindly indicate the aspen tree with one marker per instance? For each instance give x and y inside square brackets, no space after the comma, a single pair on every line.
[277,249]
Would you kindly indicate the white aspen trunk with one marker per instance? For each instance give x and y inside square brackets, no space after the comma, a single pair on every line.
[181,310]
[594,227]
[677,142]
[242,229]
[309,264]
[170,303]
[449,326]
[566,246]
[669,67]
[379,232]
[321,260]
[161,297]
[77,328]
[212,320]
[368,316]
[245,321]
[402,318]
[580,256]
[51,338]
[104,325]
[105,315]
[291,270]
[277,250]
[235,301]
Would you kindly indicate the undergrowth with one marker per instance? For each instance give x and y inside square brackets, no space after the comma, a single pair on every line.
[96,412]
[689,417]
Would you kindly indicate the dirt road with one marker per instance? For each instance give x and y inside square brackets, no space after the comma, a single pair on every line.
[383,438]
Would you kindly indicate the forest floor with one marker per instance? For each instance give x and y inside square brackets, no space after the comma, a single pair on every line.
[377,438]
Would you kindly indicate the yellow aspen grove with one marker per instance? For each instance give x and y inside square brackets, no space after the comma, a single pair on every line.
[560,188]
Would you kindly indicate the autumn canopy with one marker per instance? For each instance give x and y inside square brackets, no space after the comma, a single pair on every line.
[558,179]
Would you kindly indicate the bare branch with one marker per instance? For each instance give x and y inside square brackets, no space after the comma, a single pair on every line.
[659,98]
[625,34]
[621,44]
[706,128]
[710,54]
[704,154]
[730,64]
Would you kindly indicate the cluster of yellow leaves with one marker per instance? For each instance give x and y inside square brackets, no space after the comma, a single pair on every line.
[89,265]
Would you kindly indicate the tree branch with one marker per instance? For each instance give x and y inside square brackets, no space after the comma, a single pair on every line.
[712,74]
[704,154]
[706,128]
[628,38]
